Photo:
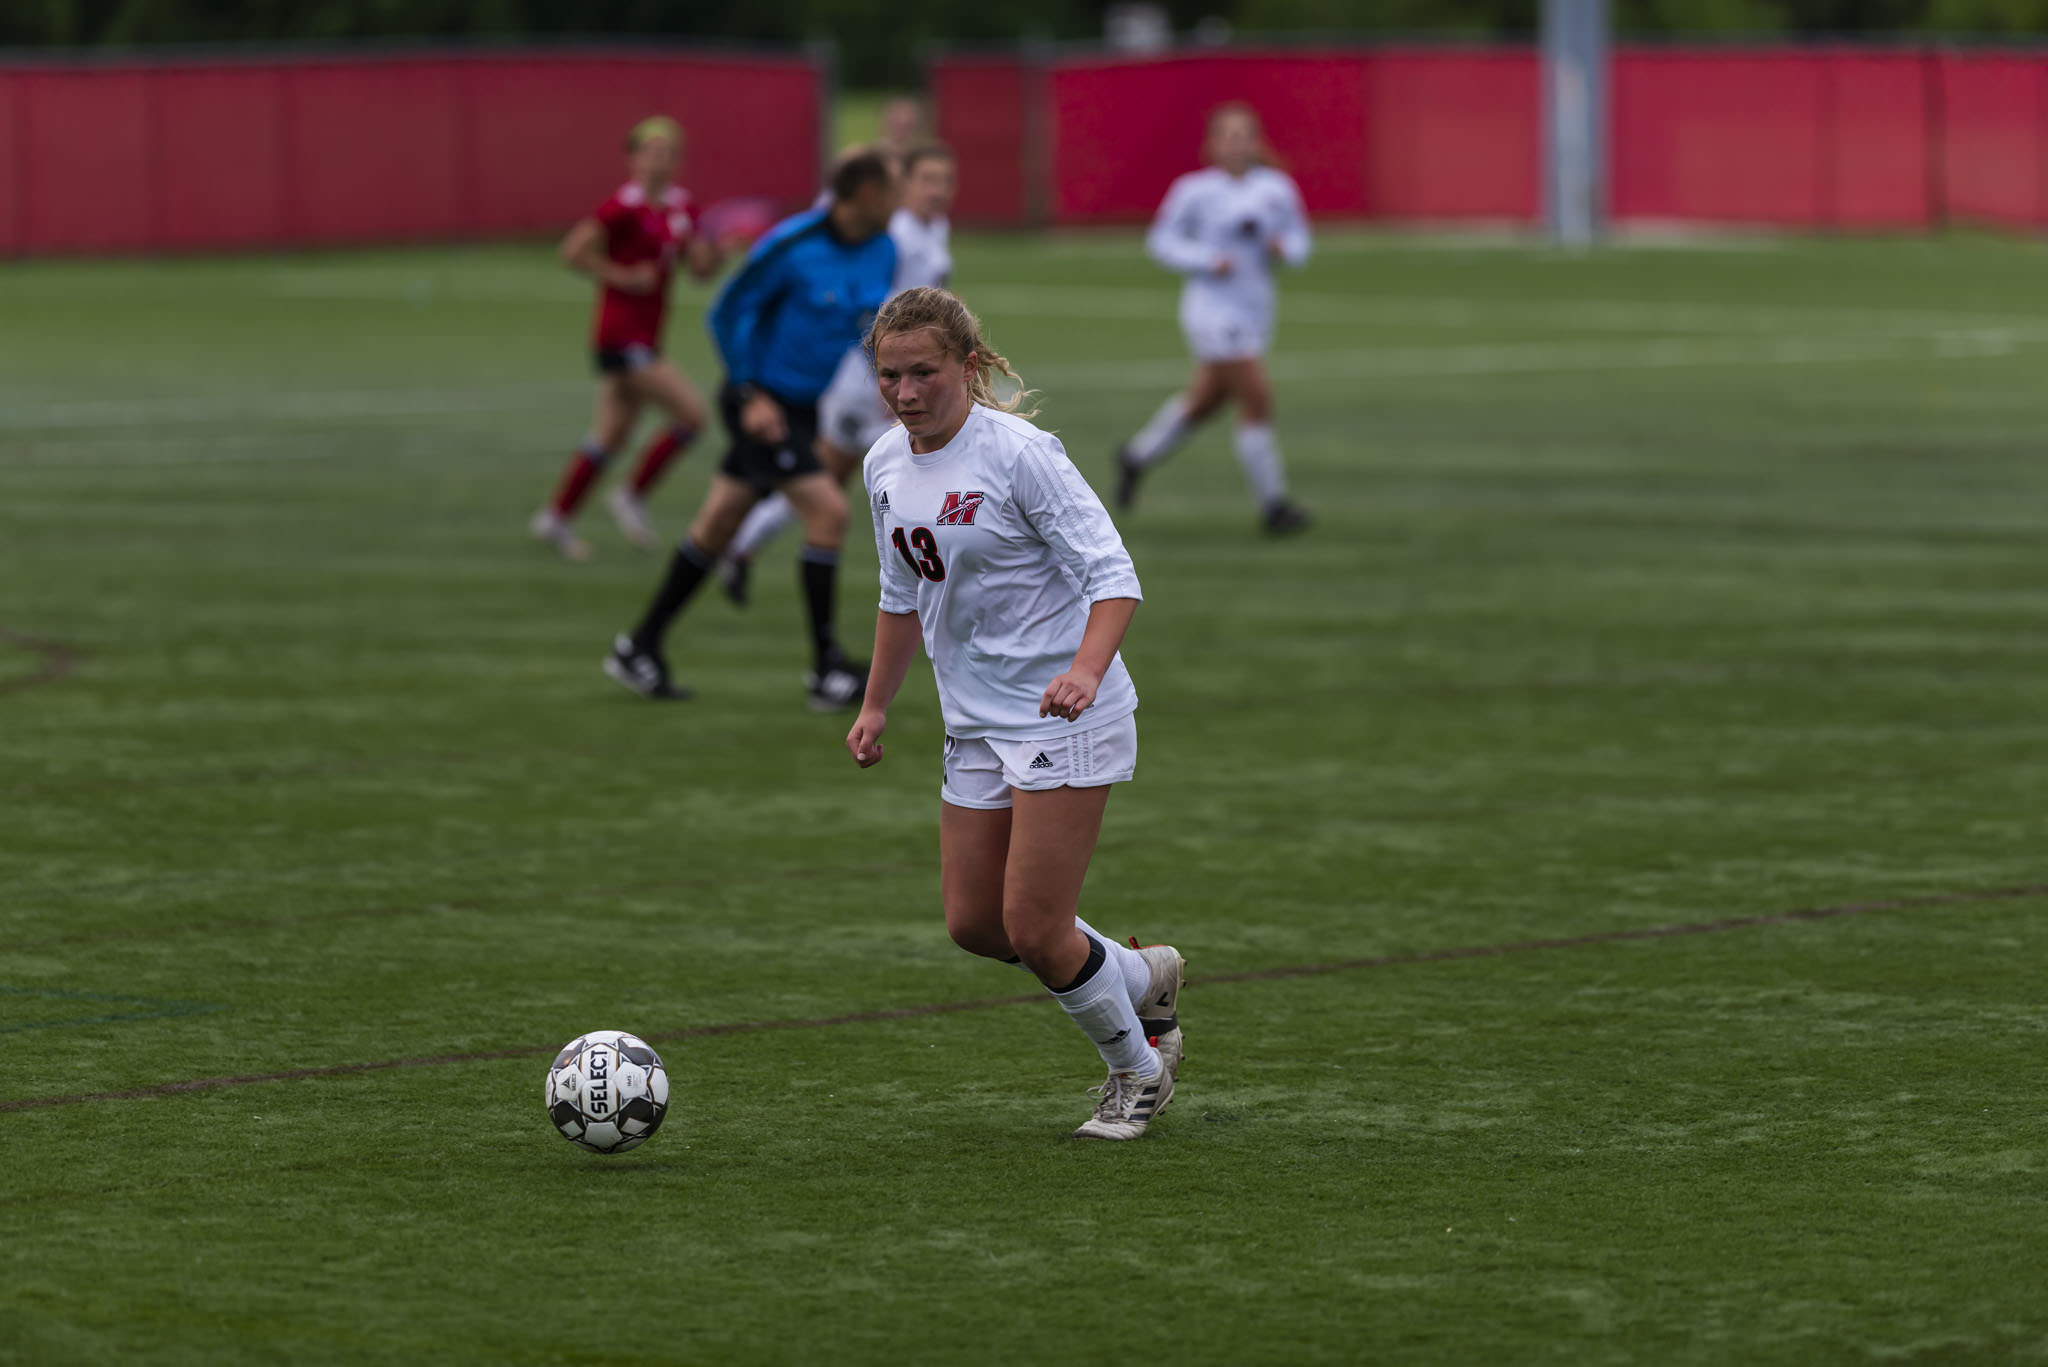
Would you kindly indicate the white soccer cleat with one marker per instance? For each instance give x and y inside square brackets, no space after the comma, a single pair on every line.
[1159,1013]
[630,512]
[549,526]
[1127,1104]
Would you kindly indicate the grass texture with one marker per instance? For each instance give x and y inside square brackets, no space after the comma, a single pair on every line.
[1653,588]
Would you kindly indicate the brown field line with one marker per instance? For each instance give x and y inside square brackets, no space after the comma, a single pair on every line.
[893,1013]
[58,660]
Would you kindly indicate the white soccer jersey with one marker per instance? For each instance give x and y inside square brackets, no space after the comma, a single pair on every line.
[924,251]
[1000,548]
[1211,216]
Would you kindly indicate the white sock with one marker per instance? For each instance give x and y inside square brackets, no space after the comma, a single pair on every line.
[1103,1010]
[1137,975]
[1156,439]
[769,516]
[1259,454]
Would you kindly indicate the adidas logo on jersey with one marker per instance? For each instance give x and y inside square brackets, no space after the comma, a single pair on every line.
[1041,762]
[882,501]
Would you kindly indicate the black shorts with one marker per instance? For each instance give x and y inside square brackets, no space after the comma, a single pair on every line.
[758,465]
[624,360]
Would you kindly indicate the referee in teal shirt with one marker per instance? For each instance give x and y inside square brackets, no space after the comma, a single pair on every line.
[806,292]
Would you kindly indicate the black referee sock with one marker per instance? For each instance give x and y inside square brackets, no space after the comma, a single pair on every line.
[818,572]
[686,570]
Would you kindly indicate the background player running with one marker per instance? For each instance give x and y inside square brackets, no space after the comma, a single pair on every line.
[1224,228]
[629,245]
[851,414]
[806,292]
[996,550]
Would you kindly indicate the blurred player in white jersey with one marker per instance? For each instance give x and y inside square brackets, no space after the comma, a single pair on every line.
[851,415]
[999,556]
[1225,227]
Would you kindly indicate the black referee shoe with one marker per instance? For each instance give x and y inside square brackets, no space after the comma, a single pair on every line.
[1284,518]
[642,671]
[838,684]
[1128,473]
[732,577]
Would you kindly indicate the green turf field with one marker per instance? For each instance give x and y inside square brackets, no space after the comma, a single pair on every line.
[1673,587]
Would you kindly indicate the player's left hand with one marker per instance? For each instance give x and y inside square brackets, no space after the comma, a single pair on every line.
[864,741]
[1069,695]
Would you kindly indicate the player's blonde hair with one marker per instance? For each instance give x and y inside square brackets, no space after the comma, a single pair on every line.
[959,333]
[660,126]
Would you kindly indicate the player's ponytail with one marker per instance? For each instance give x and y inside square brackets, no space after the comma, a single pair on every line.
[959,333]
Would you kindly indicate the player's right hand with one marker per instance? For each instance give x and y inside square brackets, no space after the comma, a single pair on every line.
[864,741]
[762,419]
[642,277]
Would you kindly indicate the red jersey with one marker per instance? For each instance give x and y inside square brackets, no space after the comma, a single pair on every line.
[635,231]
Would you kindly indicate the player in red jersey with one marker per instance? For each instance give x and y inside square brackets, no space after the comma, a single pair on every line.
[630,246]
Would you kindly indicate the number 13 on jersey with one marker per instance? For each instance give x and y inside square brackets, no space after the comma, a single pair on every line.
[920,551]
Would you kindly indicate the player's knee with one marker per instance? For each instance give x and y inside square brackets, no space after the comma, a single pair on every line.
[825,516]
[977,936]
[1036,935]
[711,532]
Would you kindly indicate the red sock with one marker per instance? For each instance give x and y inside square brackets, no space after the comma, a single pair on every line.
[576,481]
[658,454]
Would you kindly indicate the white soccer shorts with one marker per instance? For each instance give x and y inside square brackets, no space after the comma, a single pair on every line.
[851,414]
[1225,334]
[981,773]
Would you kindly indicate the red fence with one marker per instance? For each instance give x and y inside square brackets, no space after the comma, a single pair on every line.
[326,150]
[1795,137]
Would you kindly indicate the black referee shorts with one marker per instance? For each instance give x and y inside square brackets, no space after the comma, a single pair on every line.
[761,466]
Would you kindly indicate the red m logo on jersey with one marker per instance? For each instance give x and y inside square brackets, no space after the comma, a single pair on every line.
[959,509]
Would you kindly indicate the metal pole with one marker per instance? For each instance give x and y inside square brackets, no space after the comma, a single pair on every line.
[1575,44]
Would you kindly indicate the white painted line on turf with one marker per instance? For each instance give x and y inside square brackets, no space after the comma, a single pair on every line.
[1027,300]
[1442,362]
[421,287]
[360,405]
[1033,301]
[1530,358]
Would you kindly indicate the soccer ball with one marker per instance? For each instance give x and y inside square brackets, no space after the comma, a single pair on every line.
[607,1091]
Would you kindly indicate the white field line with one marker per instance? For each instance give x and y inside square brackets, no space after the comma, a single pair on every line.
[316,405]
[1489,236]
[1531,358]
[521,287]
[1082,303]
[1624,315]
[1365,364]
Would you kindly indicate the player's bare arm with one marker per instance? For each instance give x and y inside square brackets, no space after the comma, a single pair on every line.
[896,638]
[763,419]
[582,250]
[703,257]
[1072,693]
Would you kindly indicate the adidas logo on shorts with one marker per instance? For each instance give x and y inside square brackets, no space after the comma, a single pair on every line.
[1041,762]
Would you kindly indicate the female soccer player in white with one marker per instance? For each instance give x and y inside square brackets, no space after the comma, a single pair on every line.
[997,552]
[851,415]
[1224,228]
